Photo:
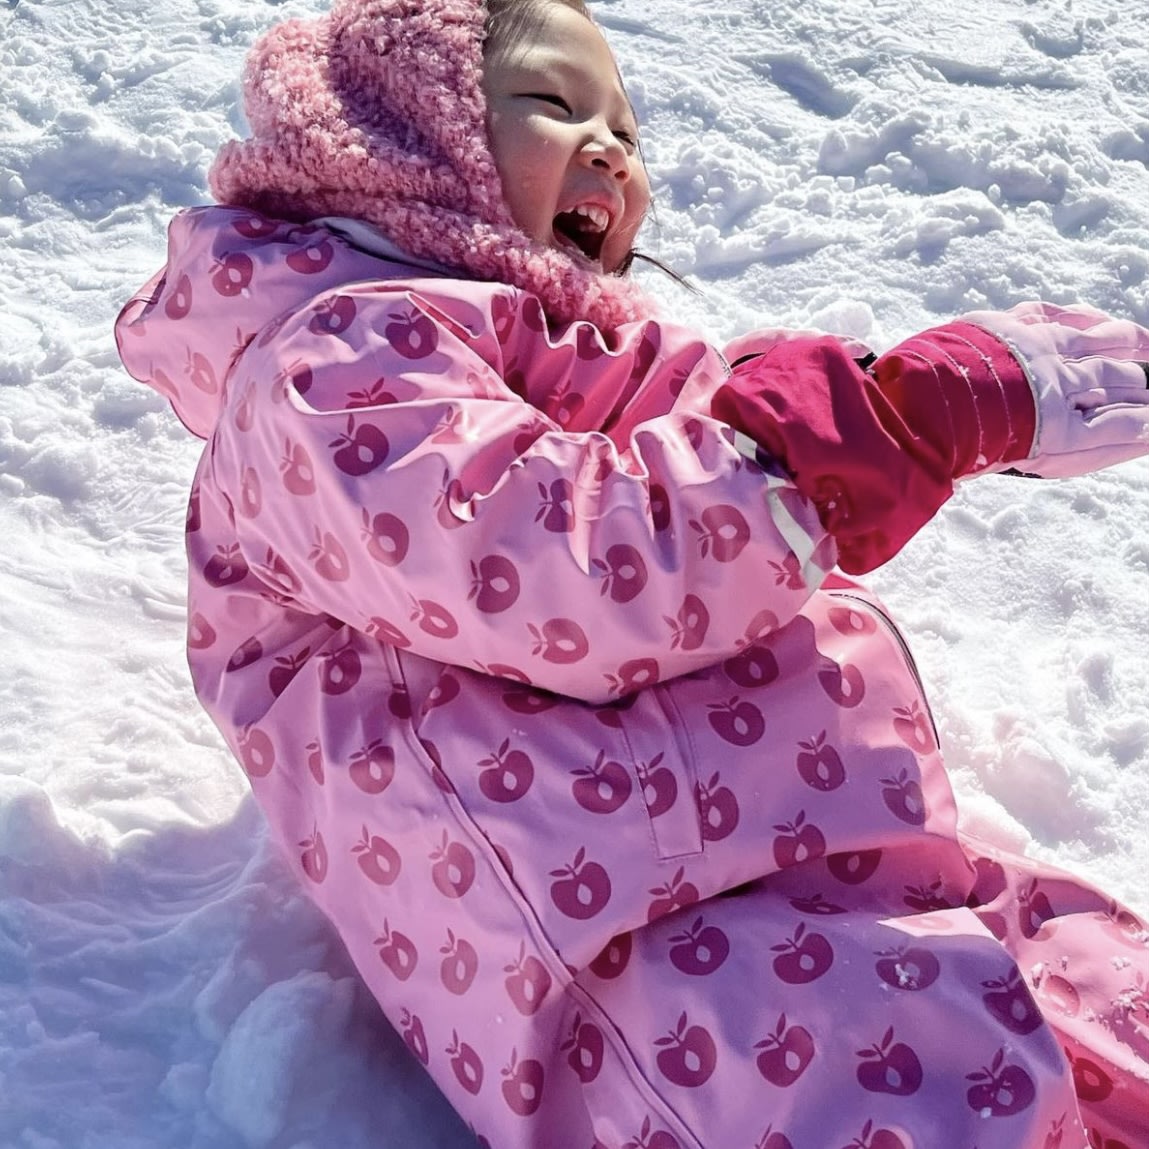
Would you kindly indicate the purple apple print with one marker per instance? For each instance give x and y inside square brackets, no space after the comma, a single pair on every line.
[634,675]
[738,721]
[584,1049]
[674,895]
[412,334]
[179,302]
[333,315]
[624,572]
[816,905]
[927,899]
[660,787]
[688,628]
[559,640]
[226,567]
[507,774]
[372,768]
[843,683]
[688,1055]
[434,619]
[912,725]
[387,538]
[397,952]
[1090,1082]
[232,274]
[872,1138]
[908,967]
[717,809]
[377,858]
[603,787]
[1033,909]
[659,507]
[613,959]
[852,623]
[774,1139]
[890,1067]
[819,764]
[297,469]
[313,259]
[854,868]
[786,1054]
[459,966]
[454,870]
[1010,1001]
[788,573]
[329,558]
[723,533]
[314,857]
[256,752]
[466,1064]
[523,1085]
[527,983]
[495,584]
[361,449]
[648,1138]
[803,957]
[798,841]
[339,670]
[583,888]
[700,950]
[556,509]
[201,633]
[755,665]
[904,799]
[414,1036]
[1000,1090]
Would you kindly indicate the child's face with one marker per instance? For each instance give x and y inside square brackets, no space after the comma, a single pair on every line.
[564,138]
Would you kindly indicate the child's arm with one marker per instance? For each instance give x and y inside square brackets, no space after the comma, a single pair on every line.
[1048,391]
[396,457]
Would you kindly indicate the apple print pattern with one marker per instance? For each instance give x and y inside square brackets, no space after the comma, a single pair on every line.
[556,723]
[687,1055]
[786,1054]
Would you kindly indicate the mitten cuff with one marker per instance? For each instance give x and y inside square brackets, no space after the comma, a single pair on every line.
[973,377]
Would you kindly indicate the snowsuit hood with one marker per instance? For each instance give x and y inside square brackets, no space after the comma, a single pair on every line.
[167,333]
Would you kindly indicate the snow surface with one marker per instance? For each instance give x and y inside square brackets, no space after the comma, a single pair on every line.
[865,166]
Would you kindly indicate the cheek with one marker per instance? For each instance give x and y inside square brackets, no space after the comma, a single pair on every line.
[637,203]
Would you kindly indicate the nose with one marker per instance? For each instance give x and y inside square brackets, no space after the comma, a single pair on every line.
[605,152]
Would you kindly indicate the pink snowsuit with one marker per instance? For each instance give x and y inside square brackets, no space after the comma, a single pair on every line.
[629,811]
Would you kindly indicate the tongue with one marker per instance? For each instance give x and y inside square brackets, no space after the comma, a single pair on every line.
[579,232]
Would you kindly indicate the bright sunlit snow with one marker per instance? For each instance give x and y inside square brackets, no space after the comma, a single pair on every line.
[864,166]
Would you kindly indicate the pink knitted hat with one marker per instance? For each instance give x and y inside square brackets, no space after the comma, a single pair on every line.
[376,112]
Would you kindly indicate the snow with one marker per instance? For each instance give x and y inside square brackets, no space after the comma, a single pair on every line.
[862,166]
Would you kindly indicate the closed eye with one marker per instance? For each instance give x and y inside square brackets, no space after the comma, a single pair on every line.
[547,98]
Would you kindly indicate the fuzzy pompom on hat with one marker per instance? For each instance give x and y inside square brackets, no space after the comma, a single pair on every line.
[376,111]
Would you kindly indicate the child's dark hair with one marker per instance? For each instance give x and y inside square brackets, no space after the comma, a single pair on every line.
[507,22]
[508,19]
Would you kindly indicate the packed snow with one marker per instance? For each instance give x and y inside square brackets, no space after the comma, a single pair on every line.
[866,167]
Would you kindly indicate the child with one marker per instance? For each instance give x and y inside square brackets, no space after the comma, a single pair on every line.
[518,607]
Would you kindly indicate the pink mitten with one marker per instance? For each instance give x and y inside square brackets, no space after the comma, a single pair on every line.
[1090,377]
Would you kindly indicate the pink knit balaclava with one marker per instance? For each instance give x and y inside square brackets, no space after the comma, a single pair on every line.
[376,111]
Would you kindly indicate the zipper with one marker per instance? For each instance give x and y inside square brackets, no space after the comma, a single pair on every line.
[903,646]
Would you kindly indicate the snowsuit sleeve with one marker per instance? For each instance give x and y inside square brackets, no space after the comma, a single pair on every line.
[439,469]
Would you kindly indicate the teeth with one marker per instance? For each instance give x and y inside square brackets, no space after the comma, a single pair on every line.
[598,216]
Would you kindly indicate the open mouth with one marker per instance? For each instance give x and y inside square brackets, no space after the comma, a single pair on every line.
[583,230]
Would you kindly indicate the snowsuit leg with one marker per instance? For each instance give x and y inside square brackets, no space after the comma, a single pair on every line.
[1086,959]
